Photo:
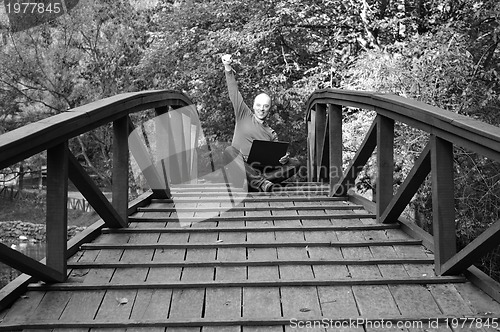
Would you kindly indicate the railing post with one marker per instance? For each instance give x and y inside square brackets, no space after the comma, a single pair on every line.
[169,131]
[335,144]
[57,210]
[311,147]
[443,201]
[179,140]
[120,167]
[385,163]
[320,127]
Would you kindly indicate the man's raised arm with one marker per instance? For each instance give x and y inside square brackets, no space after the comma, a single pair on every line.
[239,106]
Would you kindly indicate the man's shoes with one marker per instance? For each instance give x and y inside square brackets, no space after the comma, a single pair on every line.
[266,186]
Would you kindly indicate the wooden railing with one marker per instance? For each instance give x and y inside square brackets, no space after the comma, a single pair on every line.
[52,135]
[445,129]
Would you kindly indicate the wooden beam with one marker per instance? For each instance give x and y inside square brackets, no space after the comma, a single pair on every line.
[36,137]
[321,131]
[335,144]
[57,207]
[13,290]
[409,187]
[140,202]
[93,194]
[88,234]
[312,193]
[186,131]
[254,323]
[120,167]
[324,166]
[195,139]
[174,163]
[164,150]
[251,283]
[158,184]
[483,282]
[191,129]
[311,148]
[257,208]
[443,201]
[28,265]
[256,218]
[281,190]
[16,288]
[254,199]
[216,263]
[363,227]
[458,129]
[473,274]
[362,155]
[385,163]
[370,243]
[485,242]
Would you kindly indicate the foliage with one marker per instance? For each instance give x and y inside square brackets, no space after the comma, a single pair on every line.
[81,57]
[285,48]
[444,53]
[452,64]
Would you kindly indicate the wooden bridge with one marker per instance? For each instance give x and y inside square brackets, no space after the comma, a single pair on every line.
[311,256]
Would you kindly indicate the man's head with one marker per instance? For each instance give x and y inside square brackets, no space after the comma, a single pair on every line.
[262,106]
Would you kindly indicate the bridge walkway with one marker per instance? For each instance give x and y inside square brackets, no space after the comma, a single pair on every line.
[204,261]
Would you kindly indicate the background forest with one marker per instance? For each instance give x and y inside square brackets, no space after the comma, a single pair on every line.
[442,52]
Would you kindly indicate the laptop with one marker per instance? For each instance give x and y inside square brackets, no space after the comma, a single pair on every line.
[267,153]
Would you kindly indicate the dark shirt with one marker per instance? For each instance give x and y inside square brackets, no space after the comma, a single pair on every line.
[247,128]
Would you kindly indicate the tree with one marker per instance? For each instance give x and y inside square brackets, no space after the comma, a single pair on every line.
[83,56]
[287,48]
[450,61]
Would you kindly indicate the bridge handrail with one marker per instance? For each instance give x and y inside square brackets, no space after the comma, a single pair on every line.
[456,128]
[446,130]
[52,134]
[18,144]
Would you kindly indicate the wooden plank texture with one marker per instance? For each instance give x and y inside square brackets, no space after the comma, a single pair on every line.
[93,195]
[57,208]
[409,187]
[385,163]
[443,201]
[120,167]
[336,145]
[271,271]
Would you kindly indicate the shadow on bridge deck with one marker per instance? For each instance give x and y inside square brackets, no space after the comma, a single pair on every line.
[275,262]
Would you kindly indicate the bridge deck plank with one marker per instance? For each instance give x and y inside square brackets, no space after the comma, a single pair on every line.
[371,294]
[226,303]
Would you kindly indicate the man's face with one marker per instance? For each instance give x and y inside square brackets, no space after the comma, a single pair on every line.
[261,106]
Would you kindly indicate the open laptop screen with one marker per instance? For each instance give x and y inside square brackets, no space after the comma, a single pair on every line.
[266,153]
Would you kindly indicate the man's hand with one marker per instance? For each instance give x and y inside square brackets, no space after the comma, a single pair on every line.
[226,61]
[285,158]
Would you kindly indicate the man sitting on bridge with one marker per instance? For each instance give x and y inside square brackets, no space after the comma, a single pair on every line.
[251,125]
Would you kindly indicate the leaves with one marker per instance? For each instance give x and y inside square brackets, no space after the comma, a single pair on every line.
[122,301]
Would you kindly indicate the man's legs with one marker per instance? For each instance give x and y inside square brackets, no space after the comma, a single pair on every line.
[235,165]
[281,173]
